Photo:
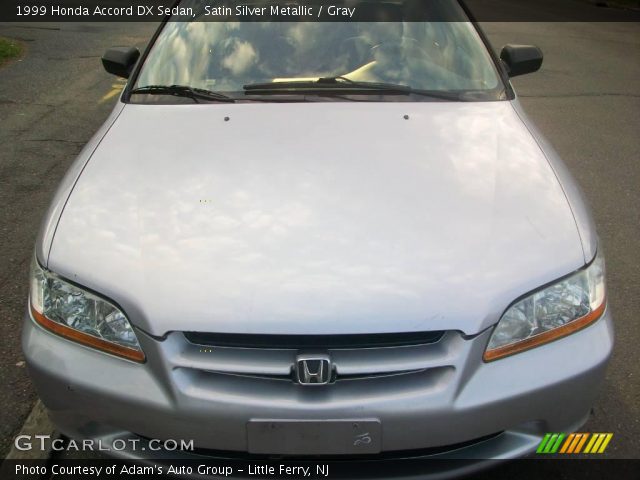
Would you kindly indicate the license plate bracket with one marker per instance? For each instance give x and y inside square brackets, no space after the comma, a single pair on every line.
[314,437]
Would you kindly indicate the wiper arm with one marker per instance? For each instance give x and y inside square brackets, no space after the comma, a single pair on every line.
[445,95]
[325,84]
[183,91]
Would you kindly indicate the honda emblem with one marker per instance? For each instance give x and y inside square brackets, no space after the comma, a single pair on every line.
[313,369]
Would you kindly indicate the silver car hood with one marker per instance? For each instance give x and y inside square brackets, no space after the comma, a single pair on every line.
[316,218]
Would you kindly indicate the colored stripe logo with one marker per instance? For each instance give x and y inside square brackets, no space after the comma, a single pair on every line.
[574,443]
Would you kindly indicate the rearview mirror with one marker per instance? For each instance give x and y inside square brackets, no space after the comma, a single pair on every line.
[521,59]
[120,60]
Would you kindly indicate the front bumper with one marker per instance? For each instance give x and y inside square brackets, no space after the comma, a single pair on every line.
[455,400]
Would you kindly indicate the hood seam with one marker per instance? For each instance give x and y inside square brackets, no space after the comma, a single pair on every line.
[555,174]
[75,182]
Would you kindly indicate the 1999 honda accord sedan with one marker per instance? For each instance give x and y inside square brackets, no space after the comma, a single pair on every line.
[305,238]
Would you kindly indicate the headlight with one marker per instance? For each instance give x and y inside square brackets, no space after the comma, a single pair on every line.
[550,313]
[79,315]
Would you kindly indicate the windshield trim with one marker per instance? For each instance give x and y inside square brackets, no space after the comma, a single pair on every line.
[319,96]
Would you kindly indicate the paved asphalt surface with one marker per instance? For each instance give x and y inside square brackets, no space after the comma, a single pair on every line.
[51,103]
[585,99]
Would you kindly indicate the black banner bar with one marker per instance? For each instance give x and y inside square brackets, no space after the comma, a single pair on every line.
[318,10]
[531,468]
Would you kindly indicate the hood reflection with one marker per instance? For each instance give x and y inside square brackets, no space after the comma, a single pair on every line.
[289,218]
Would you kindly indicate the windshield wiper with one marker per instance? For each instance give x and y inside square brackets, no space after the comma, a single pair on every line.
[183,91]
[345,85]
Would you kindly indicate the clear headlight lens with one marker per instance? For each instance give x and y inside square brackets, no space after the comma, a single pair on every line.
[551,313]
[81,316]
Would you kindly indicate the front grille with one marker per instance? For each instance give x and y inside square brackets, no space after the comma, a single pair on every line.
[325,342]
[366,366]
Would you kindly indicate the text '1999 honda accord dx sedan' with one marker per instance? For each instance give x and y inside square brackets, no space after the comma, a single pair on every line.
[306,239]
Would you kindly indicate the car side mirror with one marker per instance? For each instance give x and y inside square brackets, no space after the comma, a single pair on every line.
[521,59]
[120,60]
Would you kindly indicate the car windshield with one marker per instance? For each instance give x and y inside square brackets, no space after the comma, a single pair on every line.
[233,57]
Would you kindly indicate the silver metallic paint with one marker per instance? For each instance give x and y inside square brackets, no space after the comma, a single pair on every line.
[322,218]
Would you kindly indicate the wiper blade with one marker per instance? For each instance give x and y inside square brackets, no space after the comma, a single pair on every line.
[183,91]
[326,84]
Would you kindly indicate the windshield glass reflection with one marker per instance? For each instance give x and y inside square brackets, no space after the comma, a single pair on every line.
[225,56]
